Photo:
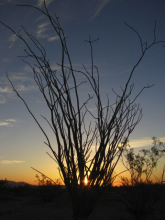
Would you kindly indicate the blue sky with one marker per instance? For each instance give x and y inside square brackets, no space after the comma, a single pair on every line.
[116,52]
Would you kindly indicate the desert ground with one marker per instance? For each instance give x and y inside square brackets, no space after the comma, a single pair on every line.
[23,204]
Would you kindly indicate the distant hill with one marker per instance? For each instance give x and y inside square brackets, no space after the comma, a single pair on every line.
[15,184]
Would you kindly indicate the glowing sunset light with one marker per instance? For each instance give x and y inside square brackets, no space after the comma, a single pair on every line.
[86,180]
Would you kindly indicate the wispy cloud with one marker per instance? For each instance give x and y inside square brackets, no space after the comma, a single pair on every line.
[2,99]
[53,38]
[42,32]
[5,124]
[18,76]
[11,161]
[23,88]
[23,84]
[145,142]
[99,6]
[6,60]
[40,3]
[42,29]
[9,122]
[21,76]
[5,89]
[19,88]
[28,69]
[3,2]
[71,10]
[39,101]
[12,39]
[40,18]
[118,73]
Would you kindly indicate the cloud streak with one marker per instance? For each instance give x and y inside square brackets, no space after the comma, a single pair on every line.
[9,122]
[20,77]
[2,99]
[23,84]
[11,161]
[22,88]
[6,89]
[5,124]
[3,2]
[12,39]
[19,88]
[41,29]
[53,38]
[145,142]
[40,3]
[42,32]
[101,4]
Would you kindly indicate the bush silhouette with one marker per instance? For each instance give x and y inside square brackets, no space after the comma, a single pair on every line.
[140,194]
[47,189]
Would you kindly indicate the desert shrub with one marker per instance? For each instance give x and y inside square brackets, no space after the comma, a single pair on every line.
[49,193]
[48,189]
[142,164]
[17,190]
[140,194]
[140,200]
[23,190]
[162,177]
[3,183]
[3,186]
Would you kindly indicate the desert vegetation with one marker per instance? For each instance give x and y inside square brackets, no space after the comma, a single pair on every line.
[141,193]
[143,201]
[108,130]
[137,197]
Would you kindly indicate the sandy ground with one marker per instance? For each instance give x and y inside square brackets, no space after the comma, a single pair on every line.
[28,207]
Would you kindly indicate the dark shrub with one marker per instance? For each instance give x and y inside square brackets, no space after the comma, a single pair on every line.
[48,192]
[140,200]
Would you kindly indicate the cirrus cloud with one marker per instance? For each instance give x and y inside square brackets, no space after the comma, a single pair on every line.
[5,124]
[5,89]
[145,142]
[40,3]
[99,6]
[13,38]
[2,99]
[11,161]
[9,122]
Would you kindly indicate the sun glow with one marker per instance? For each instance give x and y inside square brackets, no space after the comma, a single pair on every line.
[86,180]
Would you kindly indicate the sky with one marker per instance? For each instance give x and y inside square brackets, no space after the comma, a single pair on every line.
[117,51]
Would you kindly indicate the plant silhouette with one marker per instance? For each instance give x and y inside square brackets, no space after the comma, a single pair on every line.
[140,194]
[108,130]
